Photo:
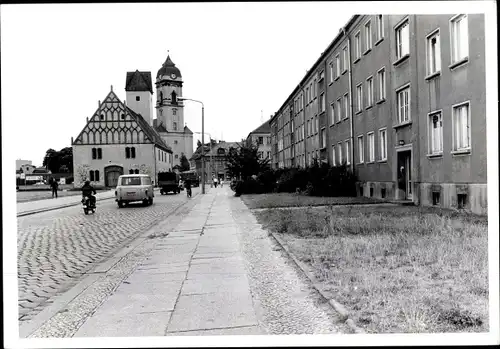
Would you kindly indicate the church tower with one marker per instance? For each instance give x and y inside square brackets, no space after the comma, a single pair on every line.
[139,89]
[169,122]
[169,110]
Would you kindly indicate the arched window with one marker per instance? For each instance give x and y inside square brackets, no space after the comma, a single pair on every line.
[127,153]
[132,152]
[221,151]
[176,156]
[94,153]
[174,111]
[102,116]
[174,97]
[97,175]
[91,175]
[130,171]
[175,126]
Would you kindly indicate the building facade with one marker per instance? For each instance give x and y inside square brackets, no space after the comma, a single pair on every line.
[262,137]
[215,159]
[169,122]
[401,101]
[116,140]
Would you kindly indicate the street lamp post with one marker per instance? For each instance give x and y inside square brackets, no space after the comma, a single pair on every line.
[202,138]
[203,159]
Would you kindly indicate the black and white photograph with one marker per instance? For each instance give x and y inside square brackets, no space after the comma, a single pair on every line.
[193,174]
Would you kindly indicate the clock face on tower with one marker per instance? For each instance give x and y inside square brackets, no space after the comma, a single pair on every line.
[173,76]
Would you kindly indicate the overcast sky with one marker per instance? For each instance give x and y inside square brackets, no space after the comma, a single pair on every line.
[237,58]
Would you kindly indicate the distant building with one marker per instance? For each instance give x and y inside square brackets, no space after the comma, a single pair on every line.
[20,163]
[401,100]
[215,159]
[262,137]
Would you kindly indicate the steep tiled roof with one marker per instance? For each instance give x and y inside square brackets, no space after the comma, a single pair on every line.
[264,128]
[214,149]
[159,127]
[139,81]
[149,131]
[168,68]
[187,130]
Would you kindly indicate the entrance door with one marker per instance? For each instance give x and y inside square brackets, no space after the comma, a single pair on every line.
[405,183]
[111,175]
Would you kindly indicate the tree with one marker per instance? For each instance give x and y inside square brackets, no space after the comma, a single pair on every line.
[184,163]
[244,161]
[59,161]
[198,144]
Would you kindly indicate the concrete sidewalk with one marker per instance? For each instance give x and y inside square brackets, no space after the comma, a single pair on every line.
[32,207]
[193,282]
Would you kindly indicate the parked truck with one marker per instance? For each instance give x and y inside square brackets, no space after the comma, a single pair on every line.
[192,176]
[168,182]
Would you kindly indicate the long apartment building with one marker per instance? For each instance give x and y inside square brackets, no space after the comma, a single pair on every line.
[401,100]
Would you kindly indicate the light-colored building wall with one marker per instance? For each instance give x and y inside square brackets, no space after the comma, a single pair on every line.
[20,163]
[180,143]
[146,161]
[144,106]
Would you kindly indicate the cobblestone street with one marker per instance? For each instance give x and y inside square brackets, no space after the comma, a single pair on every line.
[56,248]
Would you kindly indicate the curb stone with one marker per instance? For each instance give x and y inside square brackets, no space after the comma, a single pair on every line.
[339,308]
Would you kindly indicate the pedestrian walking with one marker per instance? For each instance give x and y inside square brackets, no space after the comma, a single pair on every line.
[215,182]
[54,185]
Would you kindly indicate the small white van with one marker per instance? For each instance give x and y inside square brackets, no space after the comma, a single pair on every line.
[134,187]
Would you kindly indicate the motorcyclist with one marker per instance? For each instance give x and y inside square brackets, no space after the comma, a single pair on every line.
[87,191]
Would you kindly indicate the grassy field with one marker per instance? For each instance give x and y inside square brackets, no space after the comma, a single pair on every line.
[294,200]
[399,269]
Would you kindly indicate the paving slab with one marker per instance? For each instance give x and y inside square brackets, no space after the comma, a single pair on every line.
[217,266]
[165,269]
[212,310]
[150,288]
[223,283]
[124,303]
[212,255]
[247,330]
[165,277]
[129,325]
[166,258]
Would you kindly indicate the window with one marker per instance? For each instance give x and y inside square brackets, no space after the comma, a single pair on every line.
[130,171]
[339,109]
[91,175]
[339,149]
[307,95]
[380,27]
[433,54]
[123,116]
[268,154]
[368,36]
[331,71]
[461,127]
[175,142]
[322,102]
[403,40]
[382,192]
[361,150]
[435,133]
[334,162]
[102,116]
[461,200]
[261,140]
[347,152]
[317,124]
[371,147]
[174,97]
[176,156]
[436,198]
[369,91]
[403,100]
[323,138]
[359,97]
[174,111]
[175,125]
[357,46]
[337,65]
[96,175]
[99,153]
[94,153]
[321,75]
[459,38]
[345,62]
[381,84]
[136,172]
[332,114]
[346,106]
[137,98]
[260,154]
[382,138]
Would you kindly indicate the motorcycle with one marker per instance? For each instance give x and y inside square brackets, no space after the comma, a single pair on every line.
[87,205]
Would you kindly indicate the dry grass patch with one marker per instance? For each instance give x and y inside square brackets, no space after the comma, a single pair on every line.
[397,269]
[296,200]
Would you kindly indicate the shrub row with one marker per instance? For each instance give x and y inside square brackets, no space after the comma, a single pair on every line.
[317,180]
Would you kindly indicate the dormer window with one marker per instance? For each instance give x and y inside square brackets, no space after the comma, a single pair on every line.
[221,151]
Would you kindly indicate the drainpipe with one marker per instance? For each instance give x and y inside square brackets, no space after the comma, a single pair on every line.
[349,70]
[154,157]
